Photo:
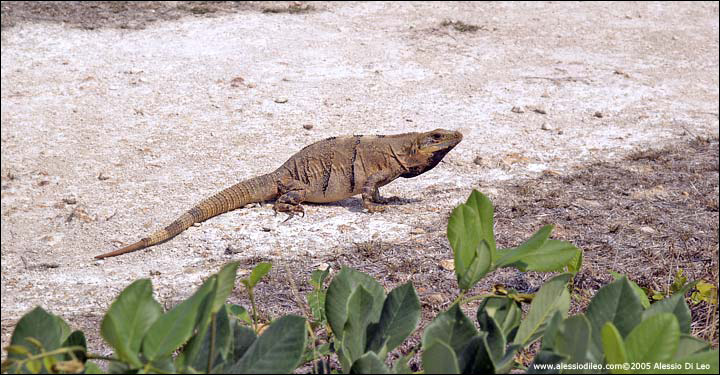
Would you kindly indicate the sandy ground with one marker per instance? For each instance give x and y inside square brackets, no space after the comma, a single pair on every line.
[109,133]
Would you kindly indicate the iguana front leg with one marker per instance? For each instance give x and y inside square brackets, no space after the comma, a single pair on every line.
[377,198]
[371,193]
[292,193]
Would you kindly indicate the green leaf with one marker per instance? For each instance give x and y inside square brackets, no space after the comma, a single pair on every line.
[508,361]
[705,292]
[277,351]
[77,338]
[225,282]
[464,235]
[440,358]
[338,294]
[576,263]
[573,338]
[470,233]
[475,357]
[401,364]
[618,303]
[316,298]
[614,347]
[642,296]
[553,255]
[494,341]
[174,328]
[240,313]
[243,338]
[451,327]
[369,363]
[260,270]
[677,306]
[400,315]
[506,313]
[34,366]
[690,345]
[553,296]
[19,350]
[316,301]
[128,319]
[225,285]
[655,339]
[223,337]
[552,329]
[679,282]
[41,328]
[512,255]
[485,210]
[354,333]
[479,267]
[318,277]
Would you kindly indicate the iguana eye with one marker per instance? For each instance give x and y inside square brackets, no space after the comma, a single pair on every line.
[437,136]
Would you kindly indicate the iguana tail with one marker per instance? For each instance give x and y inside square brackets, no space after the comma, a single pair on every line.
[256,189]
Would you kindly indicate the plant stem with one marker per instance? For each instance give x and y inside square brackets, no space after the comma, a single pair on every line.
[254,310]
[459,297]
[475,298]
[211,353]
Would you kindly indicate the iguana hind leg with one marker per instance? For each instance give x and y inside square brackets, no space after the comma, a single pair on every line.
[292,193]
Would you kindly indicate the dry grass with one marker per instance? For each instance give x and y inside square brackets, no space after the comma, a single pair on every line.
[460,26]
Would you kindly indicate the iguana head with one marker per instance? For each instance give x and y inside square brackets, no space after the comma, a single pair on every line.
[428,149]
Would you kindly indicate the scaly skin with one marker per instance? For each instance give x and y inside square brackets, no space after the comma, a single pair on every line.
[326,171]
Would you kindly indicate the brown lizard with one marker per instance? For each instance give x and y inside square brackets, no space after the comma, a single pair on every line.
[326,171]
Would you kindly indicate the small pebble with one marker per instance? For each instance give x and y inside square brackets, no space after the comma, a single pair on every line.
[434,299]
[231,249]
[237,81]
[307,126]
[281,100]
[517,110]
[538,109]
[448,264]
[545,126]
[647,230]
[598,114]
[323,266]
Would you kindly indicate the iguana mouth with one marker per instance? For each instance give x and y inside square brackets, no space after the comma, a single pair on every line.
[445,146]
[437,157]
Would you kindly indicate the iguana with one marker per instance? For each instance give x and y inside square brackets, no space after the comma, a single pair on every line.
[326,171]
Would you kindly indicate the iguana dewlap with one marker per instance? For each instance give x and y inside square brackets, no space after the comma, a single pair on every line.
[326,171]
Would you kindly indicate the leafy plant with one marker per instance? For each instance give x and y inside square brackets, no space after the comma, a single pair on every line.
[471,236]
[211,335]
[363,323]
